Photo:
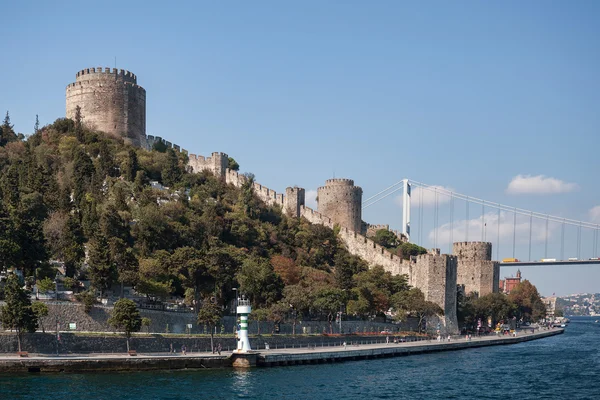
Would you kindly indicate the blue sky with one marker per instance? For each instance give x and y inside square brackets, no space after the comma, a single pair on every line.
[465,95]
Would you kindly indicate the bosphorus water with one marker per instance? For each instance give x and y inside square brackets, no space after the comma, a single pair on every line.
[563,366]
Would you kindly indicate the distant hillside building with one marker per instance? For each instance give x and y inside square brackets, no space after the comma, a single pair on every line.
[508,284]
[550,303]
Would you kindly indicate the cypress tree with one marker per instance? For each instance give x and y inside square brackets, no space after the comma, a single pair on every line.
[17,313]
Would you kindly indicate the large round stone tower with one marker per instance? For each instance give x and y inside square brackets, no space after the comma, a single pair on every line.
[111,101]
[341,201]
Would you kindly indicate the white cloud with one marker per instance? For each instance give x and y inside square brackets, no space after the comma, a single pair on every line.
[428,196]
[490,232]
[595,214]
[310,199]
[539,184]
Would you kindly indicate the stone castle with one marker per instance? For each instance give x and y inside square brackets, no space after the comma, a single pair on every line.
[113,102]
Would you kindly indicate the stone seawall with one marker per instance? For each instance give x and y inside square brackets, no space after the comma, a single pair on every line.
[272,357]
[96,320]
[45,343]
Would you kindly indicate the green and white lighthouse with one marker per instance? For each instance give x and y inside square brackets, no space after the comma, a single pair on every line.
[243,310]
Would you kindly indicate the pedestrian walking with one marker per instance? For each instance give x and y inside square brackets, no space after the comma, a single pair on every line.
[387,339]
[219,348]
[183,349]
[344,345]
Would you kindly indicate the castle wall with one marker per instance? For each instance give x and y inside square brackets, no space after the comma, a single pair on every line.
[342,201]
[111,101]
[361,246]
[357,244]
[476,272]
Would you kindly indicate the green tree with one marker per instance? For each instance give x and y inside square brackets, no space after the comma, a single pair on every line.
[412,303]
[17,314]
[87,298]
[171,171]
[191,266]
[247,200]
[126,317]
[346,266]
[102,270]
[210,314]
[153,288]
[258,315]
[79,124]
[300,300]
[7,134]
[71,283]
[106,159]
[83,171]
[277,313]
[530,307]
[329,301]
[45,285]
[28,221]
[406,250]
[386,238]
[40,310]
[146,322]
[125,262]
[259,281]
[496,306]
[233,165]
[10,248]
[160,146]
[130,166]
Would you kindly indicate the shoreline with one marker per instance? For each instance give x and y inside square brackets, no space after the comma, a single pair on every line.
[264,358]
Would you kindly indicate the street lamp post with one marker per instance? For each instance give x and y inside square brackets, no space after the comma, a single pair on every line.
[341,309]
[57,335]
[235,326]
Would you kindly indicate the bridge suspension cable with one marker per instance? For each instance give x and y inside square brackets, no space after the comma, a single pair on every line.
[438,191]
[503,207]
[383,194]
[547,218]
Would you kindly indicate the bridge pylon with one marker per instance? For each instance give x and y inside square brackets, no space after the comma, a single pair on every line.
[406,209]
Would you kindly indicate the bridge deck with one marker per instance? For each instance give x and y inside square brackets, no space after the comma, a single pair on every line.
[547,263]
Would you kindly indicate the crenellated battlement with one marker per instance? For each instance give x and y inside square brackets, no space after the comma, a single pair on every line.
[339,182]
[102,73]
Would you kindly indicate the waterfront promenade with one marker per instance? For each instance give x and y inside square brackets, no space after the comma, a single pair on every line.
[272,357]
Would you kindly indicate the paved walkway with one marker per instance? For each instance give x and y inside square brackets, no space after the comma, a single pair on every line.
[350,346]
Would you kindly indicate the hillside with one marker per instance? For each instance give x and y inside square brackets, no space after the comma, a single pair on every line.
[66,190]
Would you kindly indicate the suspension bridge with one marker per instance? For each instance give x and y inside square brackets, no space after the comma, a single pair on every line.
[512,230]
